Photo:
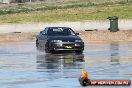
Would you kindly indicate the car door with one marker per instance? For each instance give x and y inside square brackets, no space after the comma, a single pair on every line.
[42,38]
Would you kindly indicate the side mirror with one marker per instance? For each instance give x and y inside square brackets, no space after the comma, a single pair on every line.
[41,32]
[77,34]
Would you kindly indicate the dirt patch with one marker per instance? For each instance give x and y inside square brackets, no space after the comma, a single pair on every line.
[87,36]
[106,36]
[17,37]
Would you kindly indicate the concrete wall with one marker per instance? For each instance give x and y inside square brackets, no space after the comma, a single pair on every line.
[78,26]
[5,1]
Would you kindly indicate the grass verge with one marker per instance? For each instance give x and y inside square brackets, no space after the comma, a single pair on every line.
[66,11]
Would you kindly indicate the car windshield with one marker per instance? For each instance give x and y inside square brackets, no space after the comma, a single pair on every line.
[60,31]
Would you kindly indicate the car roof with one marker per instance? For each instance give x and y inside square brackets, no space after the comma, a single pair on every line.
[57,27]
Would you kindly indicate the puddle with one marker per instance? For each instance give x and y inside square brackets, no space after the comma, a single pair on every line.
[23,66]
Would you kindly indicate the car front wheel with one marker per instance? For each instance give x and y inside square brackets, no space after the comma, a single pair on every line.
[47,48]
[37,43]
[79,51]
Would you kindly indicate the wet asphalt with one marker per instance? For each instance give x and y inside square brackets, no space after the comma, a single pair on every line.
[22,65]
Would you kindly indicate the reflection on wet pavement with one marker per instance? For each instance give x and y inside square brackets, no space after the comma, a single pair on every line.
[109,61]
[56,66]
[23,66]
[114,48]
[58,61]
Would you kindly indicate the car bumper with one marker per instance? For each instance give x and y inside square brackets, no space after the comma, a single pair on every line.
[64,46]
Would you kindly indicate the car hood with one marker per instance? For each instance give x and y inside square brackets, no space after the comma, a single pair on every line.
[69,37]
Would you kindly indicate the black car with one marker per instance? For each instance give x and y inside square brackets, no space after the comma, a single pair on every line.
[55,39]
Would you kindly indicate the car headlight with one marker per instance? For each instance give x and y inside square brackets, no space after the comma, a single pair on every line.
[56,40]
[78,40]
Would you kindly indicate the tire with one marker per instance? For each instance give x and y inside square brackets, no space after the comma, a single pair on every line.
[47,47]
[37,44]
[79,51]
[53,52]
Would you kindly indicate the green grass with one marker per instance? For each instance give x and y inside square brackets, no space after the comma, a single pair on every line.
[76,10]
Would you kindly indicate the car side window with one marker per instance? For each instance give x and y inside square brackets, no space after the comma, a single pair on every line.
[44,31]
[71,31]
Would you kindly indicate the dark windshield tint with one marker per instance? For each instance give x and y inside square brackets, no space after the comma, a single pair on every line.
[60,31]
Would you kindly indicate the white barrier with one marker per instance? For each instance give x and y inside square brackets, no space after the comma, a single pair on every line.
[79,25]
